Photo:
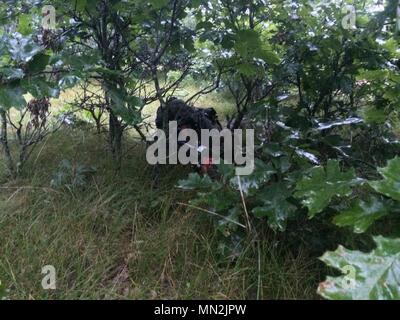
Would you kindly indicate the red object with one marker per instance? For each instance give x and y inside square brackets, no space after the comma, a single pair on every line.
[206,165]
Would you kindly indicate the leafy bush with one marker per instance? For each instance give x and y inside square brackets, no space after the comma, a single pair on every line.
[318,189]
[324,123]
[376,275]
[71,176]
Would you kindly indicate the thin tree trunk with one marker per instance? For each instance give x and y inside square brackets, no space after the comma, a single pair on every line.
[4,143]
[237,121]
[116,131]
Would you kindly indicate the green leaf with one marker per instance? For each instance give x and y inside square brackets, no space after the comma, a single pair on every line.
[229,225]
[207,25]
[81,4]
[68,81]
[195,181]
[374,75]
[390,186]
[362,214]
[124,106]
[24,24]
[106,73]
[128,113]
[370,276]
[188,44]
[228,41]
[11,73]
[12,96]
[371,114]
[40,88]
[268,56]
[391,45]
[247,69]
[320,186]
[82,62]
[275,206]
[251,184]
[158,4]
[247,43]
[22,49]
[39,62]
[209,193]
[71,175]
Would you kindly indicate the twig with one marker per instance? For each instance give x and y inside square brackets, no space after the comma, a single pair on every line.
[213,213]
[259,282]
[244,203]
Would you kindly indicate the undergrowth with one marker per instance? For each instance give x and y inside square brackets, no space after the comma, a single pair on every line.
[128,237]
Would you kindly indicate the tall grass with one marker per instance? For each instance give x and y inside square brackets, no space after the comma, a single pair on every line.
[124,235]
